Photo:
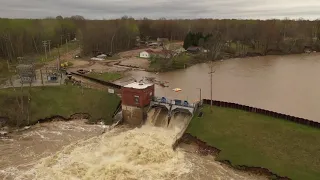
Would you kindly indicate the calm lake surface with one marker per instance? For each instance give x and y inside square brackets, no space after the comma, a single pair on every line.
[287,84]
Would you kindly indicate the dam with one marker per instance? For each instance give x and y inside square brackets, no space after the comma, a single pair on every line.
[141,107]
[121,153]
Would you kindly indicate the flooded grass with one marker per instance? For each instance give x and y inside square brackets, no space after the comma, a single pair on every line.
[107,76]
[254,140]
[63,101]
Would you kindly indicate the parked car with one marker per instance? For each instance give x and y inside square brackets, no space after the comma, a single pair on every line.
[81,71]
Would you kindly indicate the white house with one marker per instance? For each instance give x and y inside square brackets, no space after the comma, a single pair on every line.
[145,54]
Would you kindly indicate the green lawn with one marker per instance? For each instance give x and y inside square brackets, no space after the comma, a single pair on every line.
[244,138]
[4,72]
[106,76]
[63,101]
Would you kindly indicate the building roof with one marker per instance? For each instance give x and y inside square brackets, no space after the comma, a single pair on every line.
[149,51]
[193,48]
[137,85]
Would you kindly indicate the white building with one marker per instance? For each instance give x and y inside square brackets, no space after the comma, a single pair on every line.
[145,54]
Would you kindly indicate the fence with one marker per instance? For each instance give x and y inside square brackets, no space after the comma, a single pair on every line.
[264,112]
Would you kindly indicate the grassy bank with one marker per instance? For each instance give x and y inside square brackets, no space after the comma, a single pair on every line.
[4,71]
[255,140]
[179,62]
[107,76]
[63,101]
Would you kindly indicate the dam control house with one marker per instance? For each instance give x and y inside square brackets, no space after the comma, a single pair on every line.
[136,98]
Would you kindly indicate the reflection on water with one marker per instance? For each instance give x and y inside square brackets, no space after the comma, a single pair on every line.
[287,84]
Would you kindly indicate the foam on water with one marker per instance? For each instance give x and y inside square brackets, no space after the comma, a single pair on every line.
[141,153]
[119,154]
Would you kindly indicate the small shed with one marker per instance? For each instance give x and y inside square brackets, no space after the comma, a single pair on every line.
[145,54]
[135,100]
[103,56]
[137,94]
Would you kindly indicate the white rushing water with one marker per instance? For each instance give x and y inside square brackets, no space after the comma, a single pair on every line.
[142,153]
[119,154]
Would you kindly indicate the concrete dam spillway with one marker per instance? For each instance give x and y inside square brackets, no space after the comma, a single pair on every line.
[159,117]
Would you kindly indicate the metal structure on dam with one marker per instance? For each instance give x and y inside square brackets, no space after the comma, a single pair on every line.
[174,106]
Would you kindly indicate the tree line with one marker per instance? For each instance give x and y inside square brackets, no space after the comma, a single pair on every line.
[23,37]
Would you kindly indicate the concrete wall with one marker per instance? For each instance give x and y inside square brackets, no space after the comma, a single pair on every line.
[133,115]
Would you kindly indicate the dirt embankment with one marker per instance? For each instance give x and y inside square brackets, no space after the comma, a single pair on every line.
[204,150]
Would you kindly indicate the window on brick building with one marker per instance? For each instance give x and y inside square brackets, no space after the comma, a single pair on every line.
[136,99]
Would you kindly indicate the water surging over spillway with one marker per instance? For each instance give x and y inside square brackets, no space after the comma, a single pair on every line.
[141,153]
[131,154]
[159,117]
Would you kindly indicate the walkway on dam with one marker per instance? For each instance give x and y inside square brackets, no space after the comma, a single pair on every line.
[173,114]
[175,105]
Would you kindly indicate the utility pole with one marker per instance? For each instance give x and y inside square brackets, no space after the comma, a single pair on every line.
[200,96]
[67,46]
[45,44]
[58,65]
[49,42]
[61,36]
[211,73]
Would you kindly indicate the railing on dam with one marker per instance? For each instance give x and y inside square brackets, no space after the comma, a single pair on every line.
[175,104]
[263,112]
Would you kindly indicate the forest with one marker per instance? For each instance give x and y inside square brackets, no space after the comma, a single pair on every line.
[24,37]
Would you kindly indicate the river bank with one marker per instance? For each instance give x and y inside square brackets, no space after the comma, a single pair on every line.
[274,83]
[205,150]
[248,140]
[186,59]
[200,148]
[27,106]
[74,149]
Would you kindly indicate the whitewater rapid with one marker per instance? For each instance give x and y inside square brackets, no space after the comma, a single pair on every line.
[142,153]
[76,151]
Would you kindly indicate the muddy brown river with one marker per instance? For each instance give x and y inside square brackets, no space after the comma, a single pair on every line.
[75,150]
[287,84]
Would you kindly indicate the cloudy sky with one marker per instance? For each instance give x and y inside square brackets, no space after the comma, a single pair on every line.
[107,9]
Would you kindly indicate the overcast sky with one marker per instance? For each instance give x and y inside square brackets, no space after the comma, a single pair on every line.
[107,9]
